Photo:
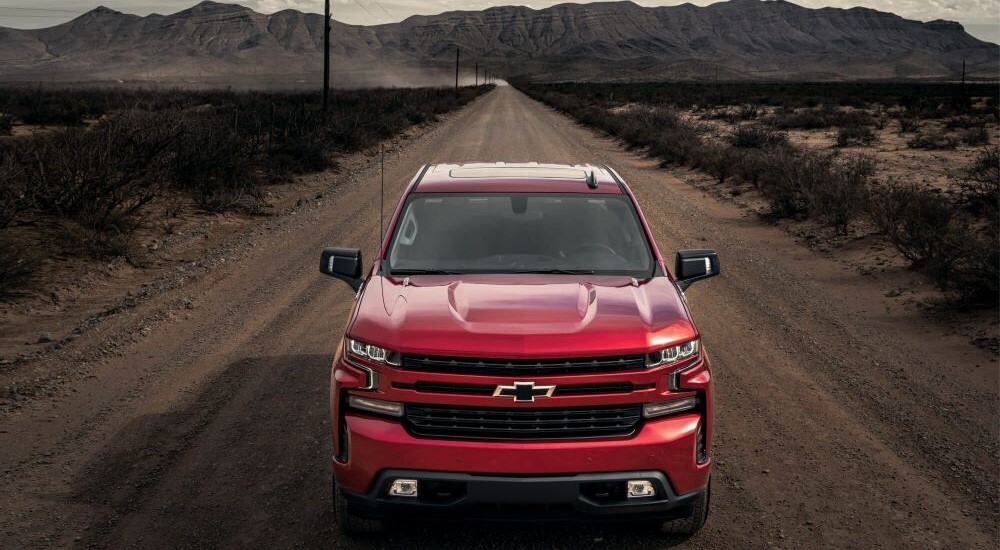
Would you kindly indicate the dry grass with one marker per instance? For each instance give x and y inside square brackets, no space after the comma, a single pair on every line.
[218,149]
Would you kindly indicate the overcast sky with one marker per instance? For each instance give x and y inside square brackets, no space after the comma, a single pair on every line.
[980,17]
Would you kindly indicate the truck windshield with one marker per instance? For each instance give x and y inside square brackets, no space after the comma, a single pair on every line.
[560,233]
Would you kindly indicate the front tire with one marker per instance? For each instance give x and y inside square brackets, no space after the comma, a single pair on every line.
[688,527]
[348,523]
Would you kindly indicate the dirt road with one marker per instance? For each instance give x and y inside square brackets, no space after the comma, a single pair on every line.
[199,418]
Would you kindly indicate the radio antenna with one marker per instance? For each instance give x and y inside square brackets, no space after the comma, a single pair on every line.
[381,192]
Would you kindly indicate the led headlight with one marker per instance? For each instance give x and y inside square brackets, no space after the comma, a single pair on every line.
[673,354]
[372,353]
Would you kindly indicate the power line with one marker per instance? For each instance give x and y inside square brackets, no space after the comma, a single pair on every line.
[385,11]
[362,6]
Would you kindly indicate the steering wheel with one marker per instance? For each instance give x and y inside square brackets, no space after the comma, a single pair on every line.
[595,246]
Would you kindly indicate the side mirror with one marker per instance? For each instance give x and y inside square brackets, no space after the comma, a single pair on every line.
[343,264]
[695,265]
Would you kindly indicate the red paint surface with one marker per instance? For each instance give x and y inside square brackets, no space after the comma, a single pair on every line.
[521,316]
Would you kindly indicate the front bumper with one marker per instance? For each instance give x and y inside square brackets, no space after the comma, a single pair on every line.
[447,495]
[667,445]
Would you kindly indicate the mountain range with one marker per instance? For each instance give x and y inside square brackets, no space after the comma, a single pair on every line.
[215,43]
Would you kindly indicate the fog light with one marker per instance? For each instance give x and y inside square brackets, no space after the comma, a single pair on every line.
[403,488]
[638,488]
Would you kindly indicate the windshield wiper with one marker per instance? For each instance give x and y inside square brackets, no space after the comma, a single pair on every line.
[559,271]
[426,272]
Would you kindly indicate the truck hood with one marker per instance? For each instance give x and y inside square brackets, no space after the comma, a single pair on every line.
[521,316]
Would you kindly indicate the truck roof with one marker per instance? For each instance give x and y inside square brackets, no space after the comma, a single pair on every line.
[531,177]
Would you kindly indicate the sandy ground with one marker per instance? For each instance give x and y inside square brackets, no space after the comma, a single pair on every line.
[894,159]
[862,249]
[197,416]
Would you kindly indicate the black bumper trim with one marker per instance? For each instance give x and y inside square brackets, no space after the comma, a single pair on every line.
[518,498]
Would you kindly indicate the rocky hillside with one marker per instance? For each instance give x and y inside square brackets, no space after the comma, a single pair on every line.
[739,39]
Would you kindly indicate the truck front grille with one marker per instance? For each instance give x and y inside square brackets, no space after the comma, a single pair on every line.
[495,423]
[487,389]
[466,365]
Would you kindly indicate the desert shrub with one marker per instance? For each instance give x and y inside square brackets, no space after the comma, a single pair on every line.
[754,165]
[975,136]
[823,117]
[933,140]
[213,162]
[913,96]
[100,177]
[47,108]
[909,125]
[976,275]
[98,245]
[641,123]
[18,265]
[789,174]
[747,112]
[756,136]
[807,119]
[923,227]
[6,124]
[855,135]
[659,131]
[679,145]
[15,196]
[979,186]
[837,192]
[959,251]
[965,122]
[851,118]
[717,161]
[299,156]
[733,116]
[89,186]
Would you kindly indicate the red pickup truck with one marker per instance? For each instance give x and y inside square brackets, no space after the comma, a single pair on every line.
[519,351]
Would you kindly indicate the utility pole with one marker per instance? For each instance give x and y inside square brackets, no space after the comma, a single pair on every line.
[457,50]
[963,72]
[477,74]
[326,59]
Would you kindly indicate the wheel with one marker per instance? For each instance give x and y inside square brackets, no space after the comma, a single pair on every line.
[349,523]
[687,527]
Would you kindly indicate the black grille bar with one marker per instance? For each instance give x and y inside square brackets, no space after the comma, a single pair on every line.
[466,365]
[496,423]
[488,389]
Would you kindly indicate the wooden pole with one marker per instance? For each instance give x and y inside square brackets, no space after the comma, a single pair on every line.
[326,59]
[457,50]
